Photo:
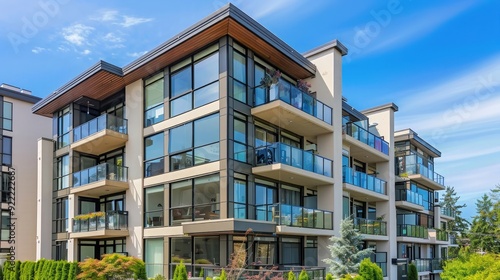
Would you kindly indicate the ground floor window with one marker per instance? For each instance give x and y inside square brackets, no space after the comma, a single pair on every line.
[153,256]
[195,253]
[96,248]
[60,250]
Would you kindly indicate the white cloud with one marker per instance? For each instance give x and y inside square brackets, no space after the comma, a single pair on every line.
[136,54]
[77,34]
[129,21]
[109,15]
[113,38]
[38,50]
[86,52]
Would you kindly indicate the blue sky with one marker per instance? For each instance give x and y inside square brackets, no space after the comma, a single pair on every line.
[439,62]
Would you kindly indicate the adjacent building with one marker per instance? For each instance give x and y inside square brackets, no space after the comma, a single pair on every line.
[19,132]
[224,137]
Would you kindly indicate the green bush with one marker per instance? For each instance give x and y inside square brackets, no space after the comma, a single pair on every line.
[291,275]
[412,272]
[223,275]
[303,275]
[329,276]
[369,271]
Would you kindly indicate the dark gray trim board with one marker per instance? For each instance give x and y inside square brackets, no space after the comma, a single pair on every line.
[19,96]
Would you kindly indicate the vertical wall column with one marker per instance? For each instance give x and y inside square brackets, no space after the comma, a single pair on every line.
[44,198]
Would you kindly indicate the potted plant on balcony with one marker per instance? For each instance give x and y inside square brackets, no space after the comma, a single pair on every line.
[270,80]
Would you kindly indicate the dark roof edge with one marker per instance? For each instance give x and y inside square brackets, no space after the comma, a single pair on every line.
[336,44]
[99,66]
[19,96]
[413,135]
[353,111]
[229,10]
[391,105]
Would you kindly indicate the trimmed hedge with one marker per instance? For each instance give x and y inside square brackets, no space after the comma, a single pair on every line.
[40,270]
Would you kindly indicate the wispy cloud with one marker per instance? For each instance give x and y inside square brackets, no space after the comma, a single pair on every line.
[136,54]
[108,15]
[77,34]
[113,38]
[38,50]
[129,21]
[86,52]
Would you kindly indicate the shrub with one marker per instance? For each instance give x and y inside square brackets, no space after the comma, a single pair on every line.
[412,272]
[291,275]
[329,276]
[223,275]
[303,275]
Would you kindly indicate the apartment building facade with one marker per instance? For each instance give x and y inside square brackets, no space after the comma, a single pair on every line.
[222,138]
[18,153]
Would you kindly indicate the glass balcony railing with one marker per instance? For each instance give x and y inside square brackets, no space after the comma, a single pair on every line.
[364,136]
[364,180]
[103,171]
[282,153]
[100,123]
[409,165]
[373,227]
[409,196]
[441,235]
[448,212]
[424,265]
[114,220]
[295,216]
[292,95]
[412,231]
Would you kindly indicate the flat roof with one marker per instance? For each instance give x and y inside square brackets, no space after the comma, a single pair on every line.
[18,93]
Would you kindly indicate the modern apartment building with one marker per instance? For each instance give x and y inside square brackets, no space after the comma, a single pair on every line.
[18,152]
[223,137]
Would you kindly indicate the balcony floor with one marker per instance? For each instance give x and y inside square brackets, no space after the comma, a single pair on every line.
[100,188]
[100,234]
[100,142]
[364,194]
[421,179]
[286,116]
[364,152]
[409,206]
[293,175]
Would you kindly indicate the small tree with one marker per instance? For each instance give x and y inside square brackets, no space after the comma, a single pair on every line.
[112,266]
[223,275]
[73,270]
[412,272]
[329,276]
[345,250]
[303,275]
[369,271]
[180,272]
[291,275]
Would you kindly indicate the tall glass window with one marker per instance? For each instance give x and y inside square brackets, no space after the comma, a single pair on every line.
[5,187]
[7,150]
[194,143]
[63,127]
[153,100]
[240,196]
[154,155]
[240,137]
[239,74]
[61,212]
[153,206]
[7,116]
[5,229]
[61,170]
[194,82]
[153,257]
[196,199]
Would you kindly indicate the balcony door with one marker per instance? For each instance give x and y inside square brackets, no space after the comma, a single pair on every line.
[113,203]
[265,198]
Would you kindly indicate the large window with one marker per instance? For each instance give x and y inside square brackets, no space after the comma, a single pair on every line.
[239,74]
[153,206]
[240,137]
[61,213]
[63,128]
[240,196]
[153,257]
[96,248]
[5,187]
[195,81]
[154,155]
[5,229]
[61,170]
[194,143]
[60,250]
[153,100]
[195,199]
[7,115]
[7,150]
[205,252]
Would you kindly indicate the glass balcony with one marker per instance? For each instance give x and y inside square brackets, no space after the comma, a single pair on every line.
[409,196]
[372,227]
[431,265]
[364,180]
[412,231]
[410,165]
[305,160]
[98,124]
[113,220]
[441,235]
[448,212]
[293,96]
[103,171]
[295,216]
[366,137]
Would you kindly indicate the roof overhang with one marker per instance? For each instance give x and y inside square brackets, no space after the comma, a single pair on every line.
[409,134]
[104,79]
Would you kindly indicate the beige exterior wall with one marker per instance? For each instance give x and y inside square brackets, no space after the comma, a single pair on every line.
[26,130]
[44,198]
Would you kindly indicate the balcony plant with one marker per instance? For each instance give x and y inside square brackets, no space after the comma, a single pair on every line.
[303,86]
[89,216]
[270,78]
